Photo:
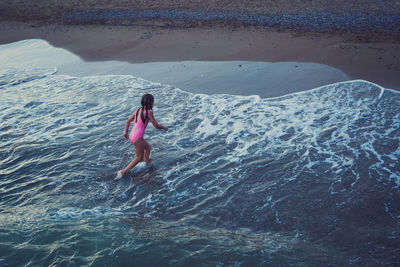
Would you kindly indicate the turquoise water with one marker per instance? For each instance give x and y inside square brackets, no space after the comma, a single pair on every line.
[307,179]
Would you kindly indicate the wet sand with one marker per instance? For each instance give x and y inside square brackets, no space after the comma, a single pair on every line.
[206,77]
[358,56]
[371,54]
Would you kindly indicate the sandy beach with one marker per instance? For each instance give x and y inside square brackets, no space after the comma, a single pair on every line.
[369,53]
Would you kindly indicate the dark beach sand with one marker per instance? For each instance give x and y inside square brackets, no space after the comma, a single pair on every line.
[241,33]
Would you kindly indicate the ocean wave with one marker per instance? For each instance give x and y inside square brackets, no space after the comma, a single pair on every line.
[15,76]
[314,166]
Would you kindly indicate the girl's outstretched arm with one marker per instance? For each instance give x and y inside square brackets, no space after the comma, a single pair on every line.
[155,123]
[128,122]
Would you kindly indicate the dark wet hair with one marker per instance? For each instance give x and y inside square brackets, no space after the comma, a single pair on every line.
[147,102]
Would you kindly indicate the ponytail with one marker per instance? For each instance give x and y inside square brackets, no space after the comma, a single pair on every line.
[147,102]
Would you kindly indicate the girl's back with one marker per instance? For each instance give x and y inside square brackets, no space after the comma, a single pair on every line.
[139,126]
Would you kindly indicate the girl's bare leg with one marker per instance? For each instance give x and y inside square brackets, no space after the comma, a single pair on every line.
[139,148]
[146,156]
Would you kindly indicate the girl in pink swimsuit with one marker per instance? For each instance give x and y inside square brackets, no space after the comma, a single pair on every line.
[141,118]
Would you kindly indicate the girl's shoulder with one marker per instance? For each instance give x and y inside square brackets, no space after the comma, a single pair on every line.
[145,110]
[139,111]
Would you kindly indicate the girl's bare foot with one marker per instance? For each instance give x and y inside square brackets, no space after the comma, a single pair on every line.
[121,173]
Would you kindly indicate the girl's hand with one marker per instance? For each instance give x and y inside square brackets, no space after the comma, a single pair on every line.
[126,135]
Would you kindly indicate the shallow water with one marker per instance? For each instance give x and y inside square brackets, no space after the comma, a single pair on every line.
[307,179]
[217,77]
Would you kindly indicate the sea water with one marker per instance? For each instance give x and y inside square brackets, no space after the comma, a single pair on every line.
[306,179]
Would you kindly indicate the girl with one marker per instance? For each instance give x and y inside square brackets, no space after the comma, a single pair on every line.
[141,118]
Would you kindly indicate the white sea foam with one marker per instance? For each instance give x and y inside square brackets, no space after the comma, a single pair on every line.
[320,119]
[226,164]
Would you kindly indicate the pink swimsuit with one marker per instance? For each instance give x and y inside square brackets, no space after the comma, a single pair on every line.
[138,127]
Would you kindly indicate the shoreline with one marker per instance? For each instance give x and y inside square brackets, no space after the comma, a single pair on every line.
[359,57]
[360,38]
[375,59]
[205,77]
